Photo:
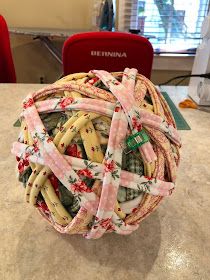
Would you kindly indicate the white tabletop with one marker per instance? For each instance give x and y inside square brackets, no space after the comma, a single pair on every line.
[172,243]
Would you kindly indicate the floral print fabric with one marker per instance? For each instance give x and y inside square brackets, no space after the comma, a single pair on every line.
[49,151]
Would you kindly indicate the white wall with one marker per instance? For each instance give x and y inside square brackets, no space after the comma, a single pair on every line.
[62,14]
[32,60]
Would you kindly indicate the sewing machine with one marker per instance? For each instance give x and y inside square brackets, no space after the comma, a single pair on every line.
[199,88]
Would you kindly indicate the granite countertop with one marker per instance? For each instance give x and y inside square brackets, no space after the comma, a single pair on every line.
[172,243]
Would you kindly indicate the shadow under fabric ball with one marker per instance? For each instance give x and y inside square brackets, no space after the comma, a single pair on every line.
[97,152]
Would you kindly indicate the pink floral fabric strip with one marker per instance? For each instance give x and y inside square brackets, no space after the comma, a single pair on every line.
[128,206]
[126,98]
[111,180]
[129,80]
[162,141]
[104,108]
[120,227]
[57,162]
[127,179]
[69,103]
[159,123]
[105,217]
[136,116]
[130,180]
[73,225]
[123,94]
[85,89]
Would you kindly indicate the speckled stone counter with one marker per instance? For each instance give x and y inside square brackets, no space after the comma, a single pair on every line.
[172,243]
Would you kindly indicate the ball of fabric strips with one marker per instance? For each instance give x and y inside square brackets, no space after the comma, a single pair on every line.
[97,152]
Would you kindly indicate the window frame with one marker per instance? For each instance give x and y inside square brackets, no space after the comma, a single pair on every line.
[156,50]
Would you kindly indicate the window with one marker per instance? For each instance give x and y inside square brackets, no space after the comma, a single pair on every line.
[171,25]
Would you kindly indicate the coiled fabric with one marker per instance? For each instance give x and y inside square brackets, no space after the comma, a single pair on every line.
[73,154]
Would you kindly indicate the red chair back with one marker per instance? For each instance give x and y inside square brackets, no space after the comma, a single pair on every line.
[111,51]
[7,69]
